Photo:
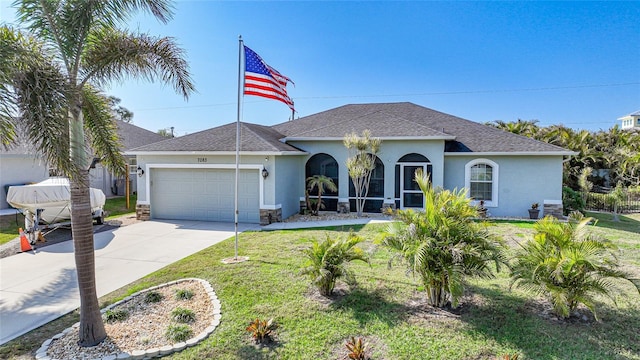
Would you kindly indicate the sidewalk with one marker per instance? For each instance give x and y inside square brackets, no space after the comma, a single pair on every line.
[323,223]
[36,288]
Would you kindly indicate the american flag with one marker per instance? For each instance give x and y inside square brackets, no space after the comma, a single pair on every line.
[261,79]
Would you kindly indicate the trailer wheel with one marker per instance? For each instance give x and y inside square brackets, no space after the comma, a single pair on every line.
[100,220]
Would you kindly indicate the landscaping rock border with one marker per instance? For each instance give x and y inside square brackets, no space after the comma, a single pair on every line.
[41,353]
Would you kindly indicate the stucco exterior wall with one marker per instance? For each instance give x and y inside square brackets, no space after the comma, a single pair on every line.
[522,180]
[101,178]
[390,152]
[289,183]
[19,169]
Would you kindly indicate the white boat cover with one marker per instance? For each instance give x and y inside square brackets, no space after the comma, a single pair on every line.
[52,195]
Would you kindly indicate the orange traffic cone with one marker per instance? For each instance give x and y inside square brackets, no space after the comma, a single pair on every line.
[24,242]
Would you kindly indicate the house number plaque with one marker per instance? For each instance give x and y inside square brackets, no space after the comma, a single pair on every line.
[202,160]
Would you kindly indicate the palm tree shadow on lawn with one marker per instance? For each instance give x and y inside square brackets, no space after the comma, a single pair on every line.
[528,325]
[370,305]
[626,223]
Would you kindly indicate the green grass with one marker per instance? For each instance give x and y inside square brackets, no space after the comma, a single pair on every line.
[9,229]
[114,207]
[385,305]
[117,206]
[628,222]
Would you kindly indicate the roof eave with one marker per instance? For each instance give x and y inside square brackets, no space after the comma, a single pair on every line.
[515,153]
[383,138]
[186,152]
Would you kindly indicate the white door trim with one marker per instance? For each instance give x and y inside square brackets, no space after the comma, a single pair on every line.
[425,166]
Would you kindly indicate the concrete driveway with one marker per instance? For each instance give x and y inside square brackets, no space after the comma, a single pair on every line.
[36,288]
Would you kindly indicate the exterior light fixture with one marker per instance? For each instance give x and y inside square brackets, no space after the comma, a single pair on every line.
[140,171]
[265,173]
[94,162]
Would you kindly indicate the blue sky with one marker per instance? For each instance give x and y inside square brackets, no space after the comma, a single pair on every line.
[571,63]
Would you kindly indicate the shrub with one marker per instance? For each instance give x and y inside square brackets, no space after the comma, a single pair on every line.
[328,260]
[112,316]
[183,315]
[152,297]
[178,333]
[572,201]
[443,244]
[261,330]
[567,264]
[184,294]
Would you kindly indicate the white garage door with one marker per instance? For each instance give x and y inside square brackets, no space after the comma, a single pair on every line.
[204,194]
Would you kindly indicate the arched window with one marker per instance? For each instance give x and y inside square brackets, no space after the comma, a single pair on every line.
[375,197]
[408,194]
[324,164]
[481,180]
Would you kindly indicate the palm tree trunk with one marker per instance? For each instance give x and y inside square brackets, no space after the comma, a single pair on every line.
[319,201]
[91,330]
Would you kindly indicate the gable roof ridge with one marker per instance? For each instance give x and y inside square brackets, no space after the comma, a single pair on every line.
[339,122]
[413,122]
[249,126]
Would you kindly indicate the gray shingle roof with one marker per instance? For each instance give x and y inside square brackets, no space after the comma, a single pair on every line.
[344,120]
[408,119]
[134,136]
[253,137]
[383,120]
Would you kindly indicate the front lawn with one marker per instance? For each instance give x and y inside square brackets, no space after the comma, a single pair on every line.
[386,307]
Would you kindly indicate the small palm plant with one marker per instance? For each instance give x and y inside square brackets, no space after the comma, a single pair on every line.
[328,260]
[320,182]
[357,349]
[567,264]
[442,244]
[615,199]
[261,330]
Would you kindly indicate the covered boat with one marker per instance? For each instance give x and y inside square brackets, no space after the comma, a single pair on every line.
[53,196]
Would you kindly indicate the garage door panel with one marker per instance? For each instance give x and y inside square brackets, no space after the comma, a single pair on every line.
[204,194]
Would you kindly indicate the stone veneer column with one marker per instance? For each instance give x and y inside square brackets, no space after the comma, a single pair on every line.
[303,205]
[344,207]
[388,205]
[143,212]
[269,216]
[553,208]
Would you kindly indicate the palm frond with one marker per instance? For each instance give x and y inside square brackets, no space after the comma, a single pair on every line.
[567,263]
[102,131]
[113,55]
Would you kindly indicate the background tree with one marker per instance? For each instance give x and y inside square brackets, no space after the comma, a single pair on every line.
[120,112]
[361,163]
[615,198]
[321,183]
[51,74]
[168,133]
[615,151]
[443,244]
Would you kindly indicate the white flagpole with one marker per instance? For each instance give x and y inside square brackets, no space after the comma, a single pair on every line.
[240,86]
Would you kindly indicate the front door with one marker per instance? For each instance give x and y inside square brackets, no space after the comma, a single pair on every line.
[410,194]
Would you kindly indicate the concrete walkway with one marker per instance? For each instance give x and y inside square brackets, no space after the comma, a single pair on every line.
[36,288]
[325,223]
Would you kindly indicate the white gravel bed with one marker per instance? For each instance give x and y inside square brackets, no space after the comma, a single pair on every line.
[142,334]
